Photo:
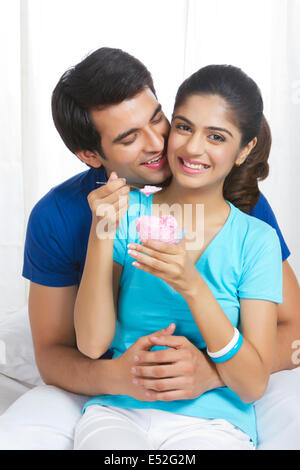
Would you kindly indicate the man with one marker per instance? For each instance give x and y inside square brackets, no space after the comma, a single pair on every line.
[107,113]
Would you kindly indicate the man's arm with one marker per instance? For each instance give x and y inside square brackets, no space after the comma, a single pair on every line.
[51,311]
[59,361]
[288,329]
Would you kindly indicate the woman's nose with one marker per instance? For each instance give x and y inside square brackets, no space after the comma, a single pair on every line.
[195,145]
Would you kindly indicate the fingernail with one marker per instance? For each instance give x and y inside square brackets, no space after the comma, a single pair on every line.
[133,370]
[113,176]
[136,358]
[135,381]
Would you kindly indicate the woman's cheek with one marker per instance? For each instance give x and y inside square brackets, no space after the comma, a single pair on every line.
[174,143]
[222,158]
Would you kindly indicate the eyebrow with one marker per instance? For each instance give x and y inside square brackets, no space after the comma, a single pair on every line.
[210,128]
[134,129]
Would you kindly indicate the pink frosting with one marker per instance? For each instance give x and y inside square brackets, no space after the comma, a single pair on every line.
[147,190]
[162,228]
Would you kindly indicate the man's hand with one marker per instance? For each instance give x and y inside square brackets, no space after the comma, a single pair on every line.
[121,367]
[179,373]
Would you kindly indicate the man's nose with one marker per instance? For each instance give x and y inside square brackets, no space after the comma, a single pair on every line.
[154,141]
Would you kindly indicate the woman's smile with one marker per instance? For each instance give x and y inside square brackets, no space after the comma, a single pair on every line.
[192,167]
[202,141]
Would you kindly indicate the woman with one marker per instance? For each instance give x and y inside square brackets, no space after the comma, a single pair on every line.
[222,291]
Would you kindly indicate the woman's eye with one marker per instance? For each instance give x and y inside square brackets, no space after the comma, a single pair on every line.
[216,138]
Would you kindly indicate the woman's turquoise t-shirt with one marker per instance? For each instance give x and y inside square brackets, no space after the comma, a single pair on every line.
[242,261]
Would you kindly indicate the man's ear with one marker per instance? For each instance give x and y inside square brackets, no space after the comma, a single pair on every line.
[91,158]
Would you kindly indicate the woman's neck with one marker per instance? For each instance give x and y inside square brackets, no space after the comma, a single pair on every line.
[212,200]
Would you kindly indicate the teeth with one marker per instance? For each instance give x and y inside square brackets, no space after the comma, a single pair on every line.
[196,167]
[155,160]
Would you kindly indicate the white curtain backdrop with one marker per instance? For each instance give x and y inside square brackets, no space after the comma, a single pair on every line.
[40,39]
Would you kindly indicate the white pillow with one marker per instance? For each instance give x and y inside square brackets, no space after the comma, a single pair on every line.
[17,358]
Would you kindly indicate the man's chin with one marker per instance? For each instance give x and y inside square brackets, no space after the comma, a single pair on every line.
[157,179]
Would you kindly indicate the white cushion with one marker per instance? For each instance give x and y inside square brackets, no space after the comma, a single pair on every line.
[17,358]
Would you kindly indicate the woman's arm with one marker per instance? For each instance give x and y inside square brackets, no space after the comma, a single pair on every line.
[247,373]
[94,311]
[96,302]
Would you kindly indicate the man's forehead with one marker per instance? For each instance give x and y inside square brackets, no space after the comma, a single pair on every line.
[134,112]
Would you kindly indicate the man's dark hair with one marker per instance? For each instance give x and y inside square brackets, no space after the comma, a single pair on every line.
[105,77]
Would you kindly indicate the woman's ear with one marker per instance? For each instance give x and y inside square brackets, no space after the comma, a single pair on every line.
[245,152]
[91,158]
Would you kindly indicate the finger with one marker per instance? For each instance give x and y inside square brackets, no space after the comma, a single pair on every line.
[136,247]
[144,343]
[113,196]
[163,356]
[153,263]
[169,341]
[113,176]
[159,371]
[170,395]
[99,197]
[162,385]
[110,187]
[169,248]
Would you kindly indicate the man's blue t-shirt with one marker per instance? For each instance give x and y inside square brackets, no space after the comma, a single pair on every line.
[59,225]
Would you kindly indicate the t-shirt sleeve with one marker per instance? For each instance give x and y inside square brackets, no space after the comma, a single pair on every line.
[262,270]
[48,258]
[263,211]
[121,241]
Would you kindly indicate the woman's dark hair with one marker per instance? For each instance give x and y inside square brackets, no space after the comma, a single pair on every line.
[245,105]
[105,77]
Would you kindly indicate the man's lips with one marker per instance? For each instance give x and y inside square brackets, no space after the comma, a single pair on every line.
[154,157]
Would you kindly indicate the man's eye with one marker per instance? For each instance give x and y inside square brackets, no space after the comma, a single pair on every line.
[159,119]
[182,127]
[128,142]
[216,137]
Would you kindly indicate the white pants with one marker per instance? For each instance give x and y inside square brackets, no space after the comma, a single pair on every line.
[46,416]
[111,428]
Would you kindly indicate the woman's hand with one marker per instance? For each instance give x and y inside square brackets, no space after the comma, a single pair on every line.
[108,205]
[167,261]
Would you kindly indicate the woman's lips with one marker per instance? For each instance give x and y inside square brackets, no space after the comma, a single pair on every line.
[192,171]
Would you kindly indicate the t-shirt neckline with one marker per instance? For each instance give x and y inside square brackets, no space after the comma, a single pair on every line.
[216,237]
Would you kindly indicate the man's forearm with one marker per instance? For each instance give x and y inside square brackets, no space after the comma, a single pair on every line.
[66,368]
[287,333]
